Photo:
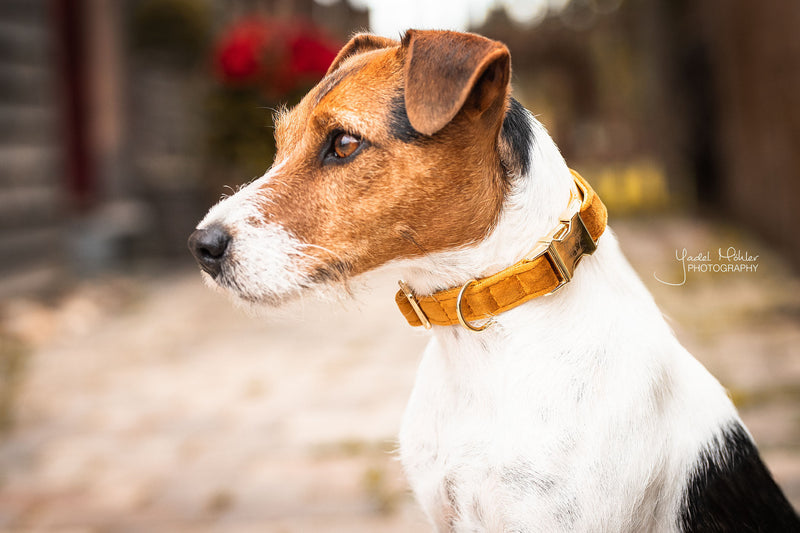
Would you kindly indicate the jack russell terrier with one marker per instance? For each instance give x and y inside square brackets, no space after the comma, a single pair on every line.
[553,396]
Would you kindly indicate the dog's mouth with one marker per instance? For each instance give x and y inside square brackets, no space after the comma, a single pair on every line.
[265,265]
[246,296]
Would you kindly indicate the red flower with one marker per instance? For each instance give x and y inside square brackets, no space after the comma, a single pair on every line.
[276,56]
[311,54]
[239,53]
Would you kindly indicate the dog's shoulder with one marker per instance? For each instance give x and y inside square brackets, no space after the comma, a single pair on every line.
[730,489]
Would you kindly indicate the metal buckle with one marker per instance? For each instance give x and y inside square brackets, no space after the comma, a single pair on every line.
[414,304]
[566,244]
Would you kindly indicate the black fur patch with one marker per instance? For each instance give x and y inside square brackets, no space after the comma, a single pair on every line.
[732,490]
[518,133]
[517,130]
[399,126]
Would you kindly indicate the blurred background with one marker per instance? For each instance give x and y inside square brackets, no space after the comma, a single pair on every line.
[132,398]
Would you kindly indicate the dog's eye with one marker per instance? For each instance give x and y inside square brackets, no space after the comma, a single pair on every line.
[341,147]
[345,145]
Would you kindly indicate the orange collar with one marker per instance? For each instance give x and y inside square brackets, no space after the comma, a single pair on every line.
[545,269]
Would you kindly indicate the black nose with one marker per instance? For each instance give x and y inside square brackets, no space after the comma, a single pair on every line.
[209,246]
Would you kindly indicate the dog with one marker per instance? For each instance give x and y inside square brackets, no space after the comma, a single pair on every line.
[552,396]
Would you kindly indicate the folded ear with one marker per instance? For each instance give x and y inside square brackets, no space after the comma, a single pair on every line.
[360,43]
[446,72]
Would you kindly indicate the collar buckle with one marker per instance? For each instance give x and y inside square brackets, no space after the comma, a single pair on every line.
[412,300]
[566,244]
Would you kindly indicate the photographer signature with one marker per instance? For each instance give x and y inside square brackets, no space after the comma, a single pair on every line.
[728,261]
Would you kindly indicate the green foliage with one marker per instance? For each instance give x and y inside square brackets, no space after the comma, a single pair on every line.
[240,130]
[176,32]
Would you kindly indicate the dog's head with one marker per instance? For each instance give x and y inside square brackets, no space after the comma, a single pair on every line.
[396,153]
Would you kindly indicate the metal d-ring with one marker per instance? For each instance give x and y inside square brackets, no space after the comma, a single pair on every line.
[460,314]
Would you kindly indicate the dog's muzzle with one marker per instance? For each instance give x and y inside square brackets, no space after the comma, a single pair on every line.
[209,246]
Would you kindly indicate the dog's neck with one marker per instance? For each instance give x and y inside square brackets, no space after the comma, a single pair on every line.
[530,209]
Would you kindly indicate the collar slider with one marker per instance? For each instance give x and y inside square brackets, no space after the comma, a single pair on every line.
[412,300]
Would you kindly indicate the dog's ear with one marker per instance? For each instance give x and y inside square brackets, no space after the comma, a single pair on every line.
[360,43]
[446,72]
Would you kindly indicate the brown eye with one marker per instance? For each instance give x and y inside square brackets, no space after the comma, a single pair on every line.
[345,144]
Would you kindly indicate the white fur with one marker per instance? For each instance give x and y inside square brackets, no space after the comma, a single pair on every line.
[578,411]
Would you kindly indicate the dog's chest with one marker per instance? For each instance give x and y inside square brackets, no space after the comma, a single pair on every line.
[480,457]
[498,447]
[472,485]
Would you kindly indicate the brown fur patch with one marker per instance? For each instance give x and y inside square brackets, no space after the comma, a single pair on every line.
[393,199]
